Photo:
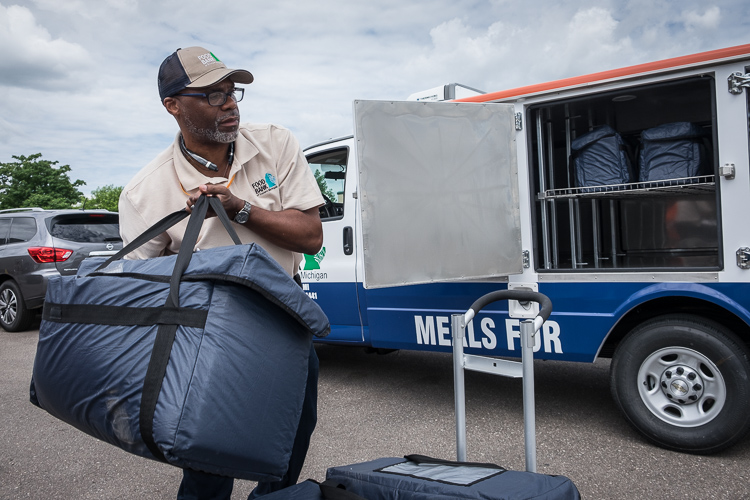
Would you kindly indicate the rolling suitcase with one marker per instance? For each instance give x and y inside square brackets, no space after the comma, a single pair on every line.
[424,478]
[416,477]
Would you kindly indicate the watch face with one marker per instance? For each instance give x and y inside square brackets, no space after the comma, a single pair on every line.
[243,214]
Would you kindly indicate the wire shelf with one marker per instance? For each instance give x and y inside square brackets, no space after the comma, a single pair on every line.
[702,184]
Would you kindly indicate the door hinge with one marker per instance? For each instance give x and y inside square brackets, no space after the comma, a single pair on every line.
[526,259]
[519,121]
[743,258]
[738,81]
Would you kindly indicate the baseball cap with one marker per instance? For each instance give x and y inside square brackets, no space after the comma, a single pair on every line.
[195,67]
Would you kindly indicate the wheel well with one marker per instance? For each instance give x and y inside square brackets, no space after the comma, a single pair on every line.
[673,305]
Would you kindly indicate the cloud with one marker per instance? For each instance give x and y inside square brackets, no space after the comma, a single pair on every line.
[32,58]
[78,77]
[557,44]
[709,20]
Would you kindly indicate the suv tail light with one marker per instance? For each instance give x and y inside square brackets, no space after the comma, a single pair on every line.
[43,255]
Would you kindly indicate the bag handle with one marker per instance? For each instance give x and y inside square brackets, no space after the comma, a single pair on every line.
[169,221]
[423,459]
[331,490]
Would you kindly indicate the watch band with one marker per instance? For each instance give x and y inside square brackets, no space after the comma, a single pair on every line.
[243,214]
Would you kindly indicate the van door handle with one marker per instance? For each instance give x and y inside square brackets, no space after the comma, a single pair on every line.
[348,240]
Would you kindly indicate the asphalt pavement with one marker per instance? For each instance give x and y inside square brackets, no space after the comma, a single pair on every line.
[373,406]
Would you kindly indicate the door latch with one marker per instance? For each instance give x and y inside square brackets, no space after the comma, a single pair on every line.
[743,258]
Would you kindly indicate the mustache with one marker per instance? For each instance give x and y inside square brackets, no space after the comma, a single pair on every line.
[235,113]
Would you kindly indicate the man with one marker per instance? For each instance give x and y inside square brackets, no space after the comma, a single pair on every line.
[262,179]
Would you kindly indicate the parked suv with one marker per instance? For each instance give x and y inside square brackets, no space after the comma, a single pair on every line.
[36,244]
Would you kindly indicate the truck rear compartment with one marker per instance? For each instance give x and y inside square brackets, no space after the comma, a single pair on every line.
[669,223]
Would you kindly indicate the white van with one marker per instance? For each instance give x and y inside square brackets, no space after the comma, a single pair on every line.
[632,186]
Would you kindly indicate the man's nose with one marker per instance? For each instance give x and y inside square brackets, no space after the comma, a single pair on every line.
[229,104]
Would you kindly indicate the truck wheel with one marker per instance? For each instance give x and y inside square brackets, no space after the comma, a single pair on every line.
[684,383]
[14,316]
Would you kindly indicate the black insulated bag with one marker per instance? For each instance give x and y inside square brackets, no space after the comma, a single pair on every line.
[600,158]
[198,359]
[673,151]
[416,477]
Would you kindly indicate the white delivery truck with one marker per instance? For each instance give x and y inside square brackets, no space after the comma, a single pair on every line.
[623,198]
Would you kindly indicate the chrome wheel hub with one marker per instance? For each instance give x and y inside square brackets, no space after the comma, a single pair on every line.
[682,387]
[682,384]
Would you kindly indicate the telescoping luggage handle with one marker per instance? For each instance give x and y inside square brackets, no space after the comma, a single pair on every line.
[524,369]
[165,334]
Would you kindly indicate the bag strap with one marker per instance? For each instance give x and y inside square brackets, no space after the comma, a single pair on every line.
[169,221]
[148,235]
[165,334]
[157,367]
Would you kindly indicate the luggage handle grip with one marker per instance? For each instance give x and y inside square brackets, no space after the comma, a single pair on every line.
[545,304]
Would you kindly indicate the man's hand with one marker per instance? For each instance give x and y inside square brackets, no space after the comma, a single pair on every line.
[230,202]
[291,229]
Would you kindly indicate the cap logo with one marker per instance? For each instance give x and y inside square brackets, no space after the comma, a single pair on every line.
[208,58]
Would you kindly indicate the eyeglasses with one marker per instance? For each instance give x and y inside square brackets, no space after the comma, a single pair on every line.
[218,98]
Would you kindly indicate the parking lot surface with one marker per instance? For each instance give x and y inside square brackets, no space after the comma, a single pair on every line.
[372,406]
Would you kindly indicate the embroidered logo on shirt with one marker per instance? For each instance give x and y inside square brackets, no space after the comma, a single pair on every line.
[263,186]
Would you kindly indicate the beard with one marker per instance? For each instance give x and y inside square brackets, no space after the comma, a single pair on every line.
[213,134]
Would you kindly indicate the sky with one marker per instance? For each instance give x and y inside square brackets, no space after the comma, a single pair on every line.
[78,77]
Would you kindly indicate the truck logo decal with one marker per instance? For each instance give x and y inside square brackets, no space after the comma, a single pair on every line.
[312,262]
[436,330]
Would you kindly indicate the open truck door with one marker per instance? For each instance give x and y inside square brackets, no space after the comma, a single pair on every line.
[438,191]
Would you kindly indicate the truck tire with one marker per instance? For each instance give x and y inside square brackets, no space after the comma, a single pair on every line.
[14,315]
[684,383]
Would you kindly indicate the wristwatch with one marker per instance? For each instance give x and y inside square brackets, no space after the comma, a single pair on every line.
[243,214]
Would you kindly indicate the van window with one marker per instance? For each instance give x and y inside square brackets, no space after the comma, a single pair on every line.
[22,229]
[329,169]
[625,179]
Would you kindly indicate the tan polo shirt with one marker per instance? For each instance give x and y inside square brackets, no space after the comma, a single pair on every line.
[269,171]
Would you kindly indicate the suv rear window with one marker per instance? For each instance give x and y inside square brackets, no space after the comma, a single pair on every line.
[94,228]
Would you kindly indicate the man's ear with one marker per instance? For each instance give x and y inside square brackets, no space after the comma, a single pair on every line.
[172,105]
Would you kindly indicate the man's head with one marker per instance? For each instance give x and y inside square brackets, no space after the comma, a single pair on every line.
[197,89]
[195,67]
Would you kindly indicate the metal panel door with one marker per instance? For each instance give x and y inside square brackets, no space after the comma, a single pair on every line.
[438,191]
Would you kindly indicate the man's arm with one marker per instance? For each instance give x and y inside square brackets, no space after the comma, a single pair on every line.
[295,230]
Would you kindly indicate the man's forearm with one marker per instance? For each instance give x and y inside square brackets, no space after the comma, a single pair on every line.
[290,229]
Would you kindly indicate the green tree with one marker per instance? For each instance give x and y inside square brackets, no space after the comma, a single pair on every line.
[106,197]
[323,185]
[32,182]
